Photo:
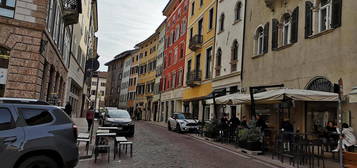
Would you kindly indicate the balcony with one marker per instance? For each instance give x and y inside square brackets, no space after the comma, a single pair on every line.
[196,42]
[193,78]
[71,11]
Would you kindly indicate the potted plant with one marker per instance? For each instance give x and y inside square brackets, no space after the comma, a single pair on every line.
[211,129]
[250,138]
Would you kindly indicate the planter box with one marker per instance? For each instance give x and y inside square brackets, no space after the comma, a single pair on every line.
[253,146]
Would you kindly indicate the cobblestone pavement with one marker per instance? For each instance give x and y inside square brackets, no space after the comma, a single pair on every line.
[156,147]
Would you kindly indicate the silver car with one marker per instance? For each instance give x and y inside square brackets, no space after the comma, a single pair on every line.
[36,136]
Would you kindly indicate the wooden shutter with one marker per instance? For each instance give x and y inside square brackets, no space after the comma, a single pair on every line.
[308,19]
[266,37]
[336,13]
[275,34]
[295,25]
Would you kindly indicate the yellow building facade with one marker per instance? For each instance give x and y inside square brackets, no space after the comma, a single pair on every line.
[146,75]
[199,56]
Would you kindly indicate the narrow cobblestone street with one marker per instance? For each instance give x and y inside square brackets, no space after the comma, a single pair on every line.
[155,147]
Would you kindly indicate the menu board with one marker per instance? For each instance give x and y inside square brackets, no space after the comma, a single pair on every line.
[3,76]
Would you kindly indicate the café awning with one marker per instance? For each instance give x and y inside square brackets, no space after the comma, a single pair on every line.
[353,95]
[276,96]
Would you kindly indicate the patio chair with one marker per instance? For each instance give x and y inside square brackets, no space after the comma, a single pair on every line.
[101,146]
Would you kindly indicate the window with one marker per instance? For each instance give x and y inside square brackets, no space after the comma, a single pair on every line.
[183,27]
[102,84]
[7,8]
[259,41]
[210,23]
[238,9]
[191,33]
[286,29]
[173,80]
[6,120]
[201,3]
[324,16]
[51,12]
[234,56]
[193,9]
[221,23]
[93,92]
[218,62]
[36,116]
[287,32]
[208,62]
[182,52]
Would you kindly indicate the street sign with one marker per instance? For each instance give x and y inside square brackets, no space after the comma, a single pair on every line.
[3,76]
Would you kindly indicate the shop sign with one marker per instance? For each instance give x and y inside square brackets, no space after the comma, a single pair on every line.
[3,76]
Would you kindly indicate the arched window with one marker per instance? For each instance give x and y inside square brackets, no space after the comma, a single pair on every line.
[259,35]
[238,9]
[234,56]
[218,62]
[221,22]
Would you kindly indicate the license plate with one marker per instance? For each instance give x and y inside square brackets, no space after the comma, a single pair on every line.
[120,128]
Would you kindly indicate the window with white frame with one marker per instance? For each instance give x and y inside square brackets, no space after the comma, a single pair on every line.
[259,41]
[286,20]
[7,8]
[325,13]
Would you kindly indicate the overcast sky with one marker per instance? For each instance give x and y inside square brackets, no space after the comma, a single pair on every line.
[124,23]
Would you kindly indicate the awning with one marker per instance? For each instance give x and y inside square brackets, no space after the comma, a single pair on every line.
[353,95]
[236,98]
[276,96]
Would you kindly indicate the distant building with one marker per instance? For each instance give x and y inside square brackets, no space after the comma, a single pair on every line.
[97,91]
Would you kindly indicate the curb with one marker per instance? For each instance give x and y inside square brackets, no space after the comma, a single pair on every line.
[255,158]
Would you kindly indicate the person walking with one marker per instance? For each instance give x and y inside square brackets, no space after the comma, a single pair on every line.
[234,122]
[68,109]
[90,117]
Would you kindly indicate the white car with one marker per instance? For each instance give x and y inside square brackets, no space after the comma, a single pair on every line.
[182,122]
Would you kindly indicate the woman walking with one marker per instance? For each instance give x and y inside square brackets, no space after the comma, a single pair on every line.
[90,117]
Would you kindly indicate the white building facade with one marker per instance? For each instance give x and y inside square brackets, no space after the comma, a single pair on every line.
[123,100]
[97,91]
[229,51]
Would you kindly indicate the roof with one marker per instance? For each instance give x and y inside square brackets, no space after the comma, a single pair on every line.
[121,56]
[169,8]
[148,39]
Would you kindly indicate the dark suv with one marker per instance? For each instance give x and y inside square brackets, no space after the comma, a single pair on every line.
[33,135]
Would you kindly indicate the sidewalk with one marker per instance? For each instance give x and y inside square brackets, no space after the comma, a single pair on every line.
[266,158]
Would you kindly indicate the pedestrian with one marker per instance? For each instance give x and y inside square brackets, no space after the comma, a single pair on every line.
[287,126]
[260,122]
[68,109]
[244,124]
[234,122]
[346,137]
[90,117]
[224,124]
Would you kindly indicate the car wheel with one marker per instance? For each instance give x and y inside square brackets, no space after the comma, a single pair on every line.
[39,161]
[169,126]
[178,128]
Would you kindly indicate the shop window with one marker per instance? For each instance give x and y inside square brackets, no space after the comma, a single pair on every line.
[7,8]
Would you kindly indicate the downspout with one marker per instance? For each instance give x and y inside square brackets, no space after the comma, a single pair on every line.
[243,50]
[214,43]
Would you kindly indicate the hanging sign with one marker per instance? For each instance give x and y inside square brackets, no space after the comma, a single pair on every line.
[3,76]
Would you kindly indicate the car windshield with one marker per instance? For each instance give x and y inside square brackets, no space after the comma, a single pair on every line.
[118,114]
[184,116]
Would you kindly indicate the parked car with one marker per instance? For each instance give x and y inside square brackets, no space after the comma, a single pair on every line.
[121,119]
[33,135]
[182,122]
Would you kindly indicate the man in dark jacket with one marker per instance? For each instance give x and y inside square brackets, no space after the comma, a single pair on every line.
[68,109]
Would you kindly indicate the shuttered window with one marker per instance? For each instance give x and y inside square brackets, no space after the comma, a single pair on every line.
[308,18]
[266,37]
[294,25]
[275,34]
[336,13]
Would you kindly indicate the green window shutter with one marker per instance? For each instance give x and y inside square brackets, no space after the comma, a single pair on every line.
[266,37]
[295,25]
[308,18]
[275,34]
[336,13]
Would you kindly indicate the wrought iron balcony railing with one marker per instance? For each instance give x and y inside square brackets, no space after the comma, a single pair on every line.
[196,42]
[71,11]
[193,78]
